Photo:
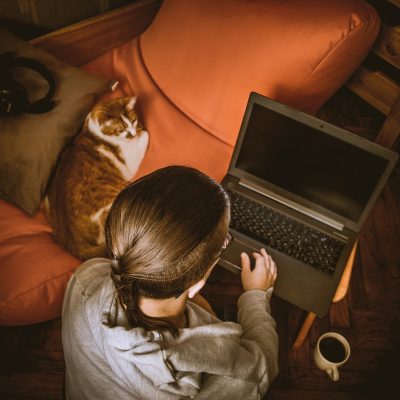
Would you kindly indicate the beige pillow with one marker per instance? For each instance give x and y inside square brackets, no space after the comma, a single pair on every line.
[30,144]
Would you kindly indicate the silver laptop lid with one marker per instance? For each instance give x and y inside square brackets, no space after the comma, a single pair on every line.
[314,165]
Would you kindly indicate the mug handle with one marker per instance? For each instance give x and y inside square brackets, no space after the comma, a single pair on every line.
[333,373]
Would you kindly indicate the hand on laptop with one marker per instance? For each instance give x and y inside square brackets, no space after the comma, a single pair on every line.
[262,276]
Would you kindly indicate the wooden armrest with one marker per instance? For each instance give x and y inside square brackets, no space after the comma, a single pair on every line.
[386,45]
[84,41]
[375,88]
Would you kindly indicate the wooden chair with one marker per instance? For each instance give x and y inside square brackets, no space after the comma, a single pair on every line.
[339,295]
[376,87]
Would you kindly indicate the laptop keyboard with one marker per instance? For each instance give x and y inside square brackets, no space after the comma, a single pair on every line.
[284,234]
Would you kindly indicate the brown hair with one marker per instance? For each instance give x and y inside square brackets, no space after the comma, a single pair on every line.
[163,233]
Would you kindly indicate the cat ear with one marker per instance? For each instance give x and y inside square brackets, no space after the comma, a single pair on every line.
[130,103]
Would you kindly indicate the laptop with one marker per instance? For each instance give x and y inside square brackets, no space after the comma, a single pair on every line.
[301,188]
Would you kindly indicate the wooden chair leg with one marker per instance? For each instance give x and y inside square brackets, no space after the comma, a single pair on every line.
[304,330]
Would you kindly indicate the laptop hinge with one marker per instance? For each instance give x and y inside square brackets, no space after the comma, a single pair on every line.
[288,203]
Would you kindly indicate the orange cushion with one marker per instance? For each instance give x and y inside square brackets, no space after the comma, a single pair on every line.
[33,269]
[206,56]
[193,75]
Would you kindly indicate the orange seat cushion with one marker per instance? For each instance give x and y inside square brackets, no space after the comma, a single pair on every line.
[193,70]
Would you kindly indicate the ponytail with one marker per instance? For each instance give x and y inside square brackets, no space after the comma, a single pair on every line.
[128,293]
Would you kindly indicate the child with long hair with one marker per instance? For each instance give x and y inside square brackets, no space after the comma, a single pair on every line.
[134,325]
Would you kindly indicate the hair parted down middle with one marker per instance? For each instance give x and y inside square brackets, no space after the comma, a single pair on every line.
[163,233]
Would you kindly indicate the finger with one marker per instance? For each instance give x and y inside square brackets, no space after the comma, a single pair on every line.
[260,262]
[268,258]
[274,274]
[264,253]
[274,270]
[271,261]
[272,267]
[245,259]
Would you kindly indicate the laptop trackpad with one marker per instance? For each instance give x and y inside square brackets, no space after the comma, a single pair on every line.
[231,257]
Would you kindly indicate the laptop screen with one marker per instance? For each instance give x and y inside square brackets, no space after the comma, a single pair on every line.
[308,162]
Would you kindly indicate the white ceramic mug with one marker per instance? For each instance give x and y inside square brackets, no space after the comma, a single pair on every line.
[332,351]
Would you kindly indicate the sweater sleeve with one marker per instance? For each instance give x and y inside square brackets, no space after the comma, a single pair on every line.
[259,333]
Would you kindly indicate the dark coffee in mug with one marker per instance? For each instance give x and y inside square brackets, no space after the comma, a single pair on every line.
[332,350]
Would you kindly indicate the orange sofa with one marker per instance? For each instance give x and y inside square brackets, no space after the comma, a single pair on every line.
[193,70]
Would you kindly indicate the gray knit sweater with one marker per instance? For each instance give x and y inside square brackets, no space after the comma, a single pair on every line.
[211,359]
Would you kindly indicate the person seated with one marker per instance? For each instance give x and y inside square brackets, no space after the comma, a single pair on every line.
[134,325]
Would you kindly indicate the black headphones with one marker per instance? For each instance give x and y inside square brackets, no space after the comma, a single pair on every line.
[13,96]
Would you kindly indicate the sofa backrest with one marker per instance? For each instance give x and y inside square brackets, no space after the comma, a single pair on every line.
[206,56]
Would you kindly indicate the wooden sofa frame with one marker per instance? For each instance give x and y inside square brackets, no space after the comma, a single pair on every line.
[78,44]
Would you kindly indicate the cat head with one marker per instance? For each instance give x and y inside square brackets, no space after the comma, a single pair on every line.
[115,118]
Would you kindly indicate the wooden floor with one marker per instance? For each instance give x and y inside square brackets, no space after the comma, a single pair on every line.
[31,359]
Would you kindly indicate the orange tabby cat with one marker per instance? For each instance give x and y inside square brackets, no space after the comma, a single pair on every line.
[100,161]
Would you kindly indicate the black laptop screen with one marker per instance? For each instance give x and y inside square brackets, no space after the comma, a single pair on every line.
[308,163]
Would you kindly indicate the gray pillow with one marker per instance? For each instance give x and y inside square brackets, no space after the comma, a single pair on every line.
[30,144]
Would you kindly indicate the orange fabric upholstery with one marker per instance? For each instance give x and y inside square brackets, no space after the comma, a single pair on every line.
[34,270]
[193,70]
[206,55]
